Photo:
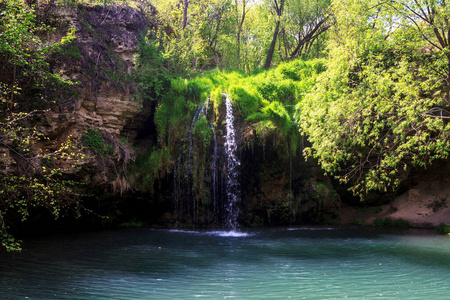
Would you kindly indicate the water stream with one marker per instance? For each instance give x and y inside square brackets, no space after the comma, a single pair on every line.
[283,263]
[233,163]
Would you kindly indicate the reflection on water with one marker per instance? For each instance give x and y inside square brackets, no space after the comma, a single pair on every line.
[300,263]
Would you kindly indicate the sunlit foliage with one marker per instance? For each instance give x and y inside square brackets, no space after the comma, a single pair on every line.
[382,105]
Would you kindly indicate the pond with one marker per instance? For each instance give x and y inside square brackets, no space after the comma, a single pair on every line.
[281,263]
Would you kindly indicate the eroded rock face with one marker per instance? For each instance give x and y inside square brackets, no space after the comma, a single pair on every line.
[100,60]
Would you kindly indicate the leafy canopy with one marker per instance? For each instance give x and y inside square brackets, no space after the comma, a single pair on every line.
[383,104]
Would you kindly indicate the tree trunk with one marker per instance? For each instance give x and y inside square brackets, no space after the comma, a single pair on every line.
[272,47]
[238,36]
[309,37]
[185,9]
[279,10]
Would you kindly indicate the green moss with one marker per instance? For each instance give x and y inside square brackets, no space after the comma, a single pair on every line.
[246,101]
[276,112]
[193,92]
[178,85]
[203,132]
[255,117]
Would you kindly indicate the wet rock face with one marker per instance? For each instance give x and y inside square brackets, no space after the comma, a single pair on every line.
[283,190]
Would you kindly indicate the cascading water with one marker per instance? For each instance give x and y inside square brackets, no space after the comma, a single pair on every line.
[206,186]
[232,168]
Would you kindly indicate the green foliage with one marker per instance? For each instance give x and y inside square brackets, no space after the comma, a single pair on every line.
[133,224]
[94,140]
[179,85]
[438,204]
[38,182]
[245,100]
[200,35]
[151,73]
[276,112]
[156,166]
[203,132]
[381,105]
[171,119]
[70,50]
[359,222]
[31,178]
[443,228]
[26,80]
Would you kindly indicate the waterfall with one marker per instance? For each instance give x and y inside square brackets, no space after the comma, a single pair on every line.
[232,173]
[220,175]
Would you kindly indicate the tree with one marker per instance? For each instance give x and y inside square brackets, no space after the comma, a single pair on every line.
[278,7]
[381,106]
[431,22]
[193,45]
[305,21]
[241,14]
[29,178]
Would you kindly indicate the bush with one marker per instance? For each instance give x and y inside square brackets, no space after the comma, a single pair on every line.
[151,74]
[178,85]
[438,204]
[443,229]
[94,140]
[359,222]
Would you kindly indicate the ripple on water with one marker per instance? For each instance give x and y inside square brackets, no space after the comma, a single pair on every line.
[308,262]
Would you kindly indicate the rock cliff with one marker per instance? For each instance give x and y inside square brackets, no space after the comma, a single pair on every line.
[99,61]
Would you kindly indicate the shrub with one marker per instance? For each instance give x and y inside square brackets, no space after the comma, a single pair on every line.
[193,92]
[359,222]
[438,204]
[151,75]
[443,228]
[94,140]
[178,85]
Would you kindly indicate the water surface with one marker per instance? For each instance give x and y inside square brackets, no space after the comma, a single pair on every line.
[283,263]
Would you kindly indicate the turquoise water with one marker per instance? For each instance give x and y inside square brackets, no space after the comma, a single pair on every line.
[283,263]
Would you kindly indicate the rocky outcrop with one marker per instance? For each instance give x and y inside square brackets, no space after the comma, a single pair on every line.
[100,61]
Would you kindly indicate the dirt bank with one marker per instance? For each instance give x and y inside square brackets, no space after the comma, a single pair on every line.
[425,204]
